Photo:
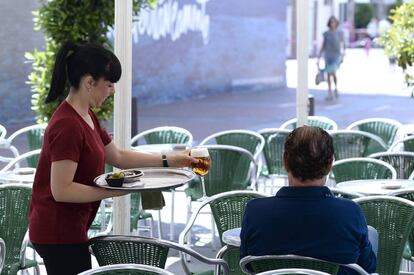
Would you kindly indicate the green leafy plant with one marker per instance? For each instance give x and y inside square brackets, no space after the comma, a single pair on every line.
[363,14]
[398,41]
[80,21]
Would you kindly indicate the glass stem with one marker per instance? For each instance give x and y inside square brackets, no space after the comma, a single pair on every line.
[203,186]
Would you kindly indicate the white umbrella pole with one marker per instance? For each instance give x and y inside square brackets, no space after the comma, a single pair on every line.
[302,54]
[122,106]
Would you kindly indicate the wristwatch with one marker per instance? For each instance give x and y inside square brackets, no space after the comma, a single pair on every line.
[164,160]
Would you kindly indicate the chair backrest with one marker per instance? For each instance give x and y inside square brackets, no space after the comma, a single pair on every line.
[130,269]
[34,134]
[255,264]
[406,142]
[403,162]
[227,209]
[164,135]
[407,194]
[13,163]
[248,140]
[361,169]
[315,121]
[273,150]
[356,144]
[111,250]
[385,128]
[14,208]
[231,169]
[393,218]
[293,271]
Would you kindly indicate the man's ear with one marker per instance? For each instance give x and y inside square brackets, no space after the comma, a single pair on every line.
[285,160]
[330,163]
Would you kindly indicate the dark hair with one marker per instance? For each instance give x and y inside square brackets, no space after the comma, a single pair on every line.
[332,18]
[308,153]
[75,61]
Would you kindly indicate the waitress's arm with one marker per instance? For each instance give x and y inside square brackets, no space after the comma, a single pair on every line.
[124,159]
[64,189]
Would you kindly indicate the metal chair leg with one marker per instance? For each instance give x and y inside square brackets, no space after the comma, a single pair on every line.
[172,215]
[159,225]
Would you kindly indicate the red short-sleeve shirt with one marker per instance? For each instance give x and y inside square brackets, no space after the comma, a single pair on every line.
[67,137]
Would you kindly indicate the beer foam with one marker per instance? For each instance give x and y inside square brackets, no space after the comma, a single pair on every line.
[199,152]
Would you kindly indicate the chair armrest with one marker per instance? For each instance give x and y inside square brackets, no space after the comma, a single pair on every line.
[25,243]
[358,269]
[2,253]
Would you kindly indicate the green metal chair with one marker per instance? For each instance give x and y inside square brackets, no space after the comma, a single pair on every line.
[385,128]
[164,135]
[14,207]
[273,152]
[403,144]
[393,218]
[227,209]
[407,194]
[356,144]
[361,169]
[34,141]
[126,269]
[248,140]
[315,121]
[403,162]
[257,264]
[111,250]
[231,169]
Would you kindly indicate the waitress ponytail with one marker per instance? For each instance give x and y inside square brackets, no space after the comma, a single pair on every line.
[59,76]
[75,61]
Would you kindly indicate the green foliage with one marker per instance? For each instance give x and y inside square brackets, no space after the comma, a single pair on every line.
[363,14]
[79,21]
[398,42]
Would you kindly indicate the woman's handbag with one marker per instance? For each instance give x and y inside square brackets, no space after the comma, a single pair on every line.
[320,76]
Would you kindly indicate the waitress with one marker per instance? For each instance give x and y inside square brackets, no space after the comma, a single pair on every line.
[75,150]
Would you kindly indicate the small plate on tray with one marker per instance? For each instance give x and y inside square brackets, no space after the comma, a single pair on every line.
[132,175]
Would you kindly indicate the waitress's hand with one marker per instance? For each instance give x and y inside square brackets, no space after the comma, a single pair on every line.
[181,159]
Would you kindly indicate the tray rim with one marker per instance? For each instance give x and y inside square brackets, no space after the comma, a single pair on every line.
[147,170]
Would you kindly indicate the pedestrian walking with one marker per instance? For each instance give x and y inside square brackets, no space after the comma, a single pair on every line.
[333,42]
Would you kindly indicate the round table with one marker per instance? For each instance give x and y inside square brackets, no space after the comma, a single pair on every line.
[375,187]
[20,175]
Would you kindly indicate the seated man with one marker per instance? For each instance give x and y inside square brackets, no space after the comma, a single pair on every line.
[305,218]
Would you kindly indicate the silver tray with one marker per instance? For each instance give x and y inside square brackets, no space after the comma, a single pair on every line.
[154,178]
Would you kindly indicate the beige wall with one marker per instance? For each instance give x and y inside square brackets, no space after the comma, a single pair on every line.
[16,37]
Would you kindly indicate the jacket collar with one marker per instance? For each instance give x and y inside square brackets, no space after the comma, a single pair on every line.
[311,191]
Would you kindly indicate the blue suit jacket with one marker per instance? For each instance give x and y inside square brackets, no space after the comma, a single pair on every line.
[307,221]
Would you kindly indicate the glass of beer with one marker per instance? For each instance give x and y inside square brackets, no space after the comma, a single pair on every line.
[201,168]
